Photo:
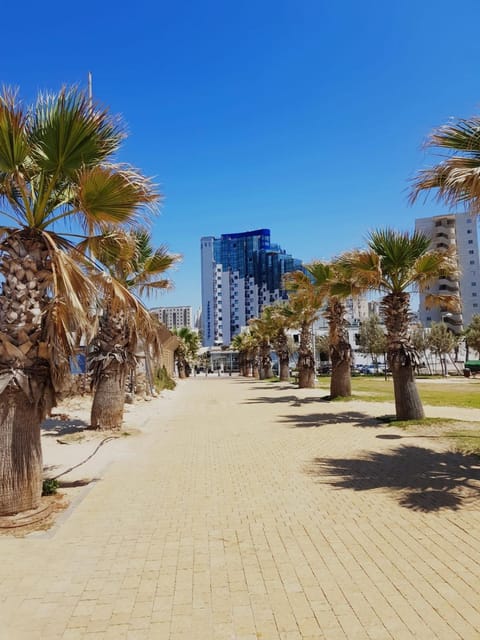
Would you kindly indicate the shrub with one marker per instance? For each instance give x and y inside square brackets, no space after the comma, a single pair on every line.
[49,487]
[163,380]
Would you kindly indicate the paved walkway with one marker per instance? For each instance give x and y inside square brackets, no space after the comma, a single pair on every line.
[253,511]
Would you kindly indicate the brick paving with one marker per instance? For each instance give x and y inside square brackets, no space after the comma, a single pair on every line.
[253,511]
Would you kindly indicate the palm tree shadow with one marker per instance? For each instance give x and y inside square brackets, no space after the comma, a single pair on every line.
[421,479]
[356,418]
[61,426]
[290,399]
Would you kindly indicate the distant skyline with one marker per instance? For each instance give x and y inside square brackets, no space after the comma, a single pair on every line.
[306,118]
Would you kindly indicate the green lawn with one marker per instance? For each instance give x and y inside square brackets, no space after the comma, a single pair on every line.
[447,393]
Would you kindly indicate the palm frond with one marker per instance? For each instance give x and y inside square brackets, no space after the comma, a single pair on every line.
[67,133]
[14,144]
[107,195]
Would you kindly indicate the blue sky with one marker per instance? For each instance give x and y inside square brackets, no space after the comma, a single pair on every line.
[306,117]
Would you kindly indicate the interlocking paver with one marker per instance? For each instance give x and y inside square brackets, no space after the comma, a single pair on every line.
[243,514]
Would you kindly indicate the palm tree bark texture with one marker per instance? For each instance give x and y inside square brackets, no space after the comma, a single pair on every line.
[306,363]
[401,356]
[110,363]
[340,349]
[26,388]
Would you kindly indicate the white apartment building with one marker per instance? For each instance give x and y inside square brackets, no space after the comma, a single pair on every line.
[457,231]
[174,317]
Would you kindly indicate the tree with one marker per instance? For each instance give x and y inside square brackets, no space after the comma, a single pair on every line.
[55,168]
[261,328]
[418,339]
[133,263]
[335,282]
[395,264]
[455,178]
[441,341]
[247,345]
[279,320]
[472,334]
[372,340]
[305,300]
[187,350]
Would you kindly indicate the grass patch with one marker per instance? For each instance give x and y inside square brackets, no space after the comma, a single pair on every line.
[423,422]
[441,393]
[465,440]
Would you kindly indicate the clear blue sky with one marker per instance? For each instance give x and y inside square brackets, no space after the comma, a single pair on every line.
[304,116]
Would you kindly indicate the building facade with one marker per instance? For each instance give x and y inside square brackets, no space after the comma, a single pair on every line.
[457,232]
[174,317]
[241,274]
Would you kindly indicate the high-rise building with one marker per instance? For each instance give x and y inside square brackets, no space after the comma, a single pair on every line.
[174,317]
[457,232]
[241,274]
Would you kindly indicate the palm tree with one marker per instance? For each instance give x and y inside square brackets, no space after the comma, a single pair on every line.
[246,344]
[395,264]
[456,177]
[133,263]
[305,300]
[239,344]
[187,350]
[55,167]
[278,320]
[334,282]
[261,329]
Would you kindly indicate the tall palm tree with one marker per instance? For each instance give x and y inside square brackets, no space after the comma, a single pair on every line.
[456,177]
[396,264]
[305,301]
[55,168]
[133,263]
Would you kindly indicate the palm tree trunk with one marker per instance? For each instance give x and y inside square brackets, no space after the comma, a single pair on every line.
[306,363]
[281,348]
[284,372]
[341,380]
[21,460]
[340,350]
[25,373]
[408,405]
[110,362]
[109,398]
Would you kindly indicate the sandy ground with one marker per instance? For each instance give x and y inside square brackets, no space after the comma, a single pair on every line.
[78,457]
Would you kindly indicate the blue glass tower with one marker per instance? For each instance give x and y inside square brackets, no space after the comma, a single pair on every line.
[241,273]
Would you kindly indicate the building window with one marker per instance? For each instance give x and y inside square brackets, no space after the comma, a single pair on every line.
[475,305]
[472,261]
[469,231]
[474,294]
[429,318]
[470,242]
[469,220]
[474,284]
[471,251]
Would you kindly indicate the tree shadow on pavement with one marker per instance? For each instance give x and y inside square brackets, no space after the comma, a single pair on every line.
[356,418]
[290,399]
[59,426]
[421,479]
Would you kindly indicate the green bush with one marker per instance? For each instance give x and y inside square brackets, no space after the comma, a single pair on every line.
[163,380]
[49,487]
